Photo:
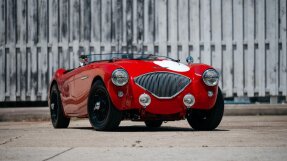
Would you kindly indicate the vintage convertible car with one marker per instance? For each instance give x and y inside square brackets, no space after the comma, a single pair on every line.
[136,87]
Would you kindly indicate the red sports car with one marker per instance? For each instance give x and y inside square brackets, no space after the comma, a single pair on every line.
[136,87]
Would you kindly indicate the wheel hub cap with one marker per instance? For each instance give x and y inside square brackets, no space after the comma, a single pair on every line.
[97,106]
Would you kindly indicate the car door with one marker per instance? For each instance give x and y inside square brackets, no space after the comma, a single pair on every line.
[82,84]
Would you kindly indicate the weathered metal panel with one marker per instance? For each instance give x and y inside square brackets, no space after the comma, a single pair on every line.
[11,57]
[32,38]
[238,47]
[272,46]
[172,29]
[43,52]
[195,29]
[95,28]
[183,31]
[53,37]
[260,53]
[85,27]
[149,29]
[134,21]
[249,10]
[95,21]
[206,31]
[140,25]
[283,48]
[2,51]
[129,24]
[21,52]
[161,28]
[244,39]
[106,21]
[227,52]
[74,34]
[64,57]
[216,37]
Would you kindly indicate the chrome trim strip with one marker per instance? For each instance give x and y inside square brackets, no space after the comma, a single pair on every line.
[163,97]
[161,72]
[84,77]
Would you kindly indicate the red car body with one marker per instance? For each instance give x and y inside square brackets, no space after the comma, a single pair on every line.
[148,88]
[75,85]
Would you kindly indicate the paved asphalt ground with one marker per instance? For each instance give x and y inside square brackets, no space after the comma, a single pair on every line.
[237,138]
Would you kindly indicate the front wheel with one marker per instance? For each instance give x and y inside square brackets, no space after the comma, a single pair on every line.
[102,113]
[56,110]
[207,119]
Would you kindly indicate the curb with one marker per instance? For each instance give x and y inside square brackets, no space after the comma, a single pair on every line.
[25,114]
[43,114]
[255,109]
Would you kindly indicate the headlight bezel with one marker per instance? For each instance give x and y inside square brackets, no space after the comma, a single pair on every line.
[115,77]
[206,79]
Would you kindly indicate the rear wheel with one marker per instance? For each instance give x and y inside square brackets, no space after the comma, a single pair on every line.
[207,119]
[102,113]
[153,124]
[56,110]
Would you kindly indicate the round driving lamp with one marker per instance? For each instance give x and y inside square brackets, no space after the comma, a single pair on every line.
[144,100]
[188,100]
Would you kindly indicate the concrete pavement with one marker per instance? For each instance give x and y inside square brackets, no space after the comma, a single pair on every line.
[42,113]
[237,138]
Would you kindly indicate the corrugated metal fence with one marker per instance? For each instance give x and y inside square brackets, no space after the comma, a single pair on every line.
[244,39]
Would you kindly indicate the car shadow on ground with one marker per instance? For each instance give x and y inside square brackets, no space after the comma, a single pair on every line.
[138,128]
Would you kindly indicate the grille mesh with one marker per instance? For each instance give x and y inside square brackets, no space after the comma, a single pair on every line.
[163,84]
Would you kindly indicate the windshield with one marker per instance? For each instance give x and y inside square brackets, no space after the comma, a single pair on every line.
[132,56]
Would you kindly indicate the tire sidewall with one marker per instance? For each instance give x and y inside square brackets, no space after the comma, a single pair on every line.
[54,90]
[214,115]
[60,121]
[102,124]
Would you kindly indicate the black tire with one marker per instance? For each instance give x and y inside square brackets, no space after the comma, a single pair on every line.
[56,110]
[153,123]
[103,115]
[207,120]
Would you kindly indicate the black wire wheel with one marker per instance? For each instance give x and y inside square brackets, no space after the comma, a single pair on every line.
[102,113]
[207,120]
[56,110]
[153,123]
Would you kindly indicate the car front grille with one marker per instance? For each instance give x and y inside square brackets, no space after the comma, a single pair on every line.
[163,84]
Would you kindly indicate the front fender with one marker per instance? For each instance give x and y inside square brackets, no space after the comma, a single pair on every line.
[55,79]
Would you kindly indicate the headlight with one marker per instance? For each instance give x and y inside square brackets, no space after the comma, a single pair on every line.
[120,77]
[210,77]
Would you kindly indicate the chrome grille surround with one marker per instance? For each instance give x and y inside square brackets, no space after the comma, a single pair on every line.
[163,85]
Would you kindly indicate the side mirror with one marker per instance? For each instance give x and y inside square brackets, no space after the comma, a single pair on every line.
[189,60]
[83,60]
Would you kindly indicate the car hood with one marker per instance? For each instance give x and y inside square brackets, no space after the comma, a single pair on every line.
[139,67]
